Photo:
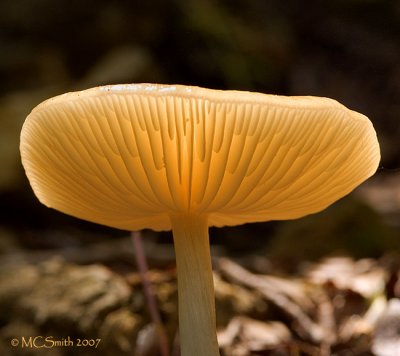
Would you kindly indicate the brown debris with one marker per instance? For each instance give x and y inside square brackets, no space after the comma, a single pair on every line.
[244,335]
[386,339]
[336,307]
[280,293]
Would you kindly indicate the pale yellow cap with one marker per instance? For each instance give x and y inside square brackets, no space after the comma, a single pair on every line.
[129,156]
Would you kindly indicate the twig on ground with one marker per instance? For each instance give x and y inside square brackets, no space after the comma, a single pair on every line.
[270,291]
[149,294]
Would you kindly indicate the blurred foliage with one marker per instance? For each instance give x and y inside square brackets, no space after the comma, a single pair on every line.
[349,227]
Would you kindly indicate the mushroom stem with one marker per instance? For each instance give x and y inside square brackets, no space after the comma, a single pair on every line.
[197,323]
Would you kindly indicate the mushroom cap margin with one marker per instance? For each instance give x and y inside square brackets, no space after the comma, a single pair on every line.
[129,156]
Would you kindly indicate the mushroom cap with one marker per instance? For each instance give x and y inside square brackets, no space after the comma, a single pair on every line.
[130,156]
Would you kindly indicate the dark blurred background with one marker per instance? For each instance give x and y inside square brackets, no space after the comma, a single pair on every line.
[348,50]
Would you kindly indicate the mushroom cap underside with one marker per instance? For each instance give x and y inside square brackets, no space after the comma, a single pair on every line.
[130,156]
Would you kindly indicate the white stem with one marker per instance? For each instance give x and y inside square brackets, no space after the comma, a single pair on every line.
[197,324]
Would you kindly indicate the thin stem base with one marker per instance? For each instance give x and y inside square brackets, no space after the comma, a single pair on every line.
[197,324]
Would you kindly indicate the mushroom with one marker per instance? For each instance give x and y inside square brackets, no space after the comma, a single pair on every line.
[186,158]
